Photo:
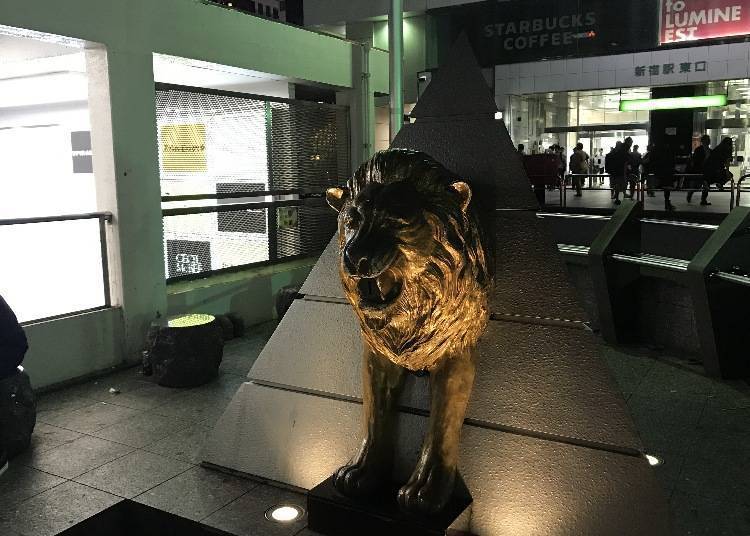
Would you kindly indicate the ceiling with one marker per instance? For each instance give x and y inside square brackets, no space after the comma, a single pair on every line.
[187,72]
[17,49]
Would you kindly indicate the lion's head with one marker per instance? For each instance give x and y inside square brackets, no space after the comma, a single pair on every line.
[411,257]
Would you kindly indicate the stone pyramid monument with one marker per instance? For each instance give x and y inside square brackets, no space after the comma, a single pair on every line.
[548,446]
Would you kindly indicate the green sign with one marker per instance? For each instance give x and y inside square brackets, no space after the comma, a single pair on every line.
[673,103]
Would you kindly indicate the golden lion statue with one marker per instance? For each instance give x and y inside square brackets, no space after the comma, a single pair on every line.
[414,268]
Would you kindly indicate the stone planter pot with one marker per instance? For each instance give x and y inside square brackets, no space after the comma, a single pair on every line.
[186,350]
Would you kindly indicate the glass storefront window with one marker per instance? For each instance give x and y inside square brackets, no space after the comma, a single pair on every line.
[565,118]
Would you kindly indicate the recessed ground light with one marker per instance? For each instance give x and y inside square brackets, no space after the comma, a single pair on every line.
[652,460]
[284,513]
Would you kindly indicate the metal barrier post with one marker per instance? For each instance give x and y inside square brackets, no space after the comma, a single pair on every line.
[739,189]
[614,282]
[718,303]
[105,258]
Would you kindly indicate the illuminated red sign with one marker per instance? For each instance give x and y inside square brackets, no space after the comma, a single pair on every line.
[693,20]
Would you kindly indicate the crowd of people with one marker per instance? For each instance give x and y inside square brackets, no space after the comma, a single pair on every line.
[657,168]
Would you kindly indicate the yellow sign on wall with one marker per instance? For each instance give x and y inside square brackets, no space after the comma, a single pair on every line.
[183,148]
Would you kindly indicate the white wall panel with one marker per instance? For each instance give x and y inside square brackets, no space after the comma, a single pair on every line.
[618,71]
[606,79]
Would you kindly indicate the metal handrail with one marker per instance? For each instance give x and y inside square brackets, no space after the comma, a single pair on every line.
[103,217]
[232,195]
[650,221]
[691,225]
[232,207]
[653,261]
[273,258]
[543,215]
[106,216]
[733,278]
[570,249]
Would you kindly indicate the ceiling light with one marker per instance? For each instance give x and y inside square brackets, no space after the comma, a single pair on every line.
[284,513]
[673,103]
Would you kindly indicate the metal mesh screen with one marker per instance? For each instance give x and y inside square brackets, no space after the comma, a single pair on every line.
[304,230]
[216,143]
[207,139]
[200,243]
[309,146]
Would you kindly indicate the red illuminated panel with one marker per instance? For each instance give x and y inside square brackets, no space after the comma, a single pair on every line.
[693,20]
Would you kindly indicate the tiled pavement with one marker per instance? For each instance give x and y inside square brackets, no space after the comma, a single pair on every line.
[700,429]
[92,448]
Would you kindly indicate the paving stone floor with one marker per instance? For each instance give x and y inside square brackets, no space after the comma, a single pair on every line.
[91,449]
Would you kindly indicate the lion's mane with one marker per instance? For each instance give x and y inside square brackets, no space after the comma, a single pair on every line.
[443,308]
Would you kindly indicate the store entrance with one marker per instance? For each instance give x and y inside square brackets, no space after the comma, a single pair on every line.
[602,142]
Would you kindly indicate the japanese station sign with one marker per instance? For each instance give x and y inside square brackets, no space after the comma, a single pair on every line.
[671,68]
[694,20]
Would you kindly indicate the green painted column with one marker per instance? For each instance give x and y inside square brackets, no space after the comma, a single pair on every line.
[396,47]
[124,139]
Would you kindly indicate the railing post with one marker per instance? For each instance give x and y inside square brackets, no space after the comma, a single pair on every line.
[271,215]
[105,260]
[722,330]
[615,283]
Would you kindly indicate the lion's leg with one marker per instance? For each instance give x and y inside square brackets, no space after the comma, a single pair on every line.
[381,384]
[431,484]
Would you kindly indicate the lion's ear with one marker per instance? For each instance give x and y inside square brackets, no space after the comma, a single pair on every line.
[336,197]
[464,194]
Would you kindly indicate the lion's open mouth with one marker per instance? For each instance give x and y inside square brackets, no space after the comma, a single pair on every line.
[379,291]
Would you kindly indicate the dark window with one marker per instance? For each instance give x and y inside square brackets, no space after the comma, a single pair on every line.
[260,8]
[252,6]
[275,13]
[268,11]
[282,5]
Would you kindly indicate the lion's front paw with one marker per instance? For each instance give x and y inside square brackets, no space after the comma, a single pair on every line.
[429,489]
[357,479]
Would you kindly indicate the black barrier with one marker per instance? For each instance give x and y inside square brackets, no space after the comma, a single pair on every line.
[613,280]
[717,279]
[720,284]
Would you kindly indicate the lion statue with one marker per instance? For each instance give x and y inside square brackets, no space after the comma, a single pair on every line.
[414,267]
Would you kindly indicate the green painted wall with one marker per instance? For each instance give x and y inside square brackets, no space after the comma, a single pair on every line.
[73,347]
[415,46]
[192,29]
[123,118]
[251,294]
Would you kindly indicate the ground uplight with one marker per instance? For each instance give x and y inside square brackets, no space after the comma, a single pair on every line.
[284,513]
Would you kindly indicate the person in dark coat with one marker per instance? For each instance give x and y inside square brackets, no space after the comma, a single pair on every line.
[635,160]
[616,163]
[13,343]
[13,346]
[697,161]
[716,167]
[661,162]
